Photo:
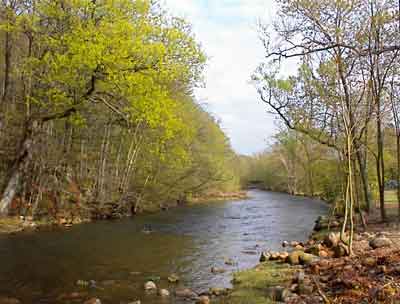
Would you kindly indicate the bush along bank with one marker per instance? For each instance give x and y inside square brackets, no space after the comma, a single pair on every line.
[321,270]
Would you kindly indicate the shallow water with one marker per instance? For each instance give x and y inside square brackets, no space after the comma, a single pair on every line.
[119,257]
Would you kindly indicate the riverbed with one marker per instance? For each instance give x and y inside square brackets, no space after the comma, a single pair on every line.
[119,256]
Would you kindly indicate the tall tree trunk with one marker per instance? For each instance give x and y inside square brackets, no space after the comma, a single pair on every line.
[7,64]
[380,164]
[362,164]
[17,171]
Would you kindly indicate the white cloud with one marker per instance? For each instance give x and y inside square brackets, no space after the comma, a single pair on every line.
[227,31]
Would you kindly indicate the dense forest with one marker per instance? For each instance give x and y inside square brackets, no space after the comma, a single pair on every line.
[97,111]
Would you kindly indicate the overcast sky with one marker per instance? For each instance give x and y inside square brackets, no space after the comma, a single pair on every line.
[227,32]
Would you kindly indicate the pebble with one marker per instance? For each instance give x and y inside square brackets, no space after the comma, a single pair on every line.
[150,285]
[164,293]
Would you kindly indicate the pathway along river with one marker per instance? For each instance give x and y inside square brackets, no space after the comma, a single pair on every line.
[39,267]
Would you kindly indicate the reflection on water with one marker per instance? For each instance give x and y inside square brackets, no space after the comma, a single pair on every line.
[38,268]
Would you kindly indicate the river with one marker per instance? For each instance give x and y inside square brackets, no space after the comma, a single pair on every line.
[119,256]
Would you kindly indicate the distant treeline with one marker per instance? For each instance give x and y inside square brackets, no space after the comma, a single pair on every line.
[340,108]
[97,113]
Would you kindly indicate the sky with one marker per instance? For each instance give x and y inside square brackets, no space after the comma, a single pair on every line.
[227,31]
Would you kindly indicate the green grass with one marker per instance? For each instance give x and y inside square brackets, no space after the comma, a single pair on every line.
[250,285]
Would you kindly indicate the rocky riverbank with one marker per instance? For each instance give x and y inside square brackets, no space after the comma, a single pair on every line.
[320,271]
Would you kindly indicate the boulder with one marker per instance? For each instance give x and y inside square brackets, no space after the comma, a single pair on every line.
[229,262]
[285,244]
[185,293]
[283,256]
[369,261]
[274,256]
[150,285]
[203,300]
[294,257]
[323,254]
[294,243]
[341,250]
[332,239]
[380,242]
[163,293]
[299,247]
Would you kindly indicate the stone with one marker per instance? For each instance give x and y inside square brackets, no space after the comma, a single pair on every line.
[315,250]
[150,285]
[216,291]
[93,301]
[164,293]
[299,247]
[185,293]
[285,244]
[294,257]
[332,240]
[265,256]
[274,256]
[135,302]
[229,262]
[323,254]
[380,242]
[216,270]
[173,278]
[341,250]
[203,300]
[369,261]
[283,256]
[294,243]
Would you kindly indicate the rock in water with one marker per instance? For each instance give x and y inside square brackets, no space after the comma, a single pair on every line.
[380,242]
[163,293]
[93,301]
[185,293]
[173,278]
[203,300]
[150,285]
[216,270]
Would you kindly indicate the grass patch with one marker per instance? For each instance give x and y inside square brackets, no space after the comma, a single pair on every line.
[250,285]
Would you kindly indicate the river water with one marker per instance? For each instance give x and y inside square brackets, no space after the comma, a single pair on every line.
[119,256]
